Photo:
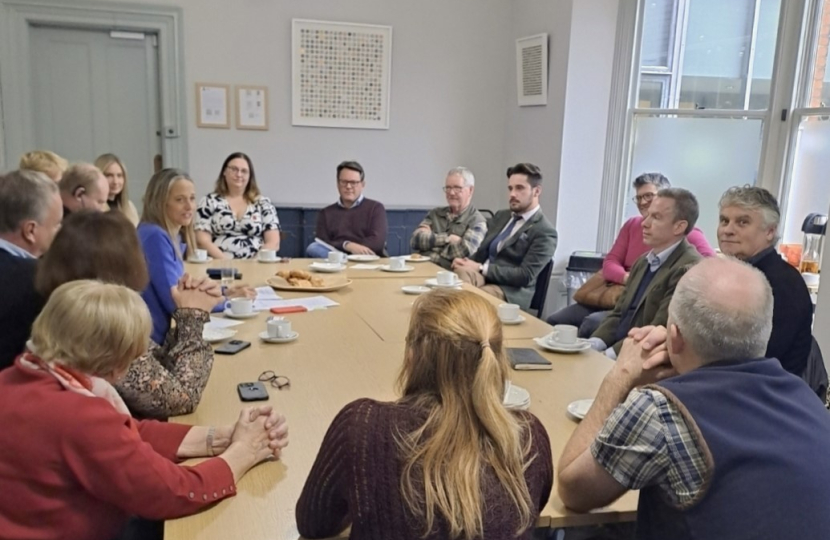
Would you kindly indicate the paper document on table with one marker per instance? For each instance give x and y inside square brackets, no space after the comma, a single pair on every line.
[364,267]
[266,298]
[327,246]
[309,302]
[221,323]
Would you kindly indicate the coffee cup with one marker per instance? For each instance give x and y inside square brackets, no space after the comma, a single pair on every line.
[509,312]
[200,254]
[268,254]
[336,257]
[240,306]
[445,278]
[565,334]
[810,279]
[396,263]
[278,327]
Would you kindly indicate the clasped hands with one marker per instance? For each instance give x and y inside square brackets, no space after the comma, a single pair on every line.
[644,357]
[259,431]
[204,293]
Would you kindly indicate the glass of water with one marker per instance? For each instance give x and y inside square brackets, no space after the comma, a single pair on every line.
[226,275]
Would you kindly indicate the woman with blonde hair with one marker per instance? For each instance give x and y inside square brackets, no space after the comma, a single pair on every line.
[73,463]
[46,162]
[116,173]
[447,460]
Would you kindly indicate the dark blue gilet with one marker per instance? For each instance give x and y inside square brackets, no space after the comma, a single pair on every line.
[769,438]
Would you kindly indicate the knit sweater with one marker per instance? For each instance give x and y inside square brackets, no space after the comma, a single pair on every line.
[629,246]
[356,479]
[364,223]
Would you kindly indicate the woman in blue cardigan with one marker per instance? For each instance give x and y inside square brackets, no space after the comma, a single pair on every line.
[167,237]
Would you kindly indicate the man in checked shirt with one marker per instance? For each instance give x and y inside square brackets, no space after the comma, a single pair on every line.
[454,231]
[727,445]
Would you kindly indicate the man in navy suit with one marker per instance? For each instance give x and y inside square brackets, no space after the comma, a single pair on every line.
[519,243]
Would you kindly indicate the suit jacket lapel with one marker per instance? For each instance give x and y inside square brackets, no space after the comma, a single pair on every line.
[495,229]
[676,254]
[524,227]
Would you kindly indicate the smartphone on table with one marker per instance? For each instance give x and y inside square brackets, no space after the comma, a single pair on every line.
[232,347]
[252,391]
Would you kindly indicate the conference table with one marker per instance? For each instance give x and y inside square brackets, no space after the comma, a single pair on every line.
[343,353]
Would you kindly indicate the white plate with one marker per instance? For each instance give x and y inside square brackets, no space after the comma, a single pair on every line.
[215,335]
[362,258]
[581,345]
[330,268]
[387,268]
[409,258]
[415,289]
[519,320]
[578,409]
[266,261]
[433,282]
[232,315]
[197,261]
[516,397]
[289,338]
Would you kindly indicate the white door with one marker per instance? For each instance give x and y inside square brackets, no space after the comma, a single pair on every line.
[94,93]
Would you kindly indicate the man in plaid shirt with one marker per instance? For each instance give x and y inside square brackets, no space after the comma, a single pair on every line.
[727,444]
[454,231]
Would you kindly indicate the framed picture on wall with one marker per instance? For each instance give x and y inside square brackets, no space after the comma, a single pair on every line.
[252,107]
[532,70]
[340,74]
[212,105]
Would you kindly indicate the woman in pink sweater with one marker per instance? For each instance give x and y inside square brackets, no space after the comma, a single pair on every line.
[628,247]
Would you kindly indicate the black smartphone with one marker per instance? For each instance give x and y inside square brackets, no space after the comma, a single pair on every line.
[216,273]
[252,391]
[232,347]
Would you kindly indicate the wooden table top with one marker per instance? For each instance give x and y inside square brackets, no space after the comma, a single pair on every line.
[344,353]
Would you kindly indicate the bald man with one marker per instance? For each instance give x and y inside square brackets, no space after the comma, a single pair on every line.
[84,187]
[727,444]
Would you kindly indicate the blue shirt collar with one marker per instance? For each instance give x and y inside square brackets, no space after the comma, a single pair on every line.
[656,260]
[355,205]
[15,250]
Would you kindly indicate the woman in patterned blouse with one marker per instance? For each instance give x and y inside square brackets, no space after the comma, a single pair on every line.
[169,378]
[236,221]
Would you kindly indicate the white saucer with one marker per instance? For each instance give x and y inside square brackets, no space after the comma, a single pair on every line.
[519,320]
[197,261]
[232,315]
[415,289]
[421,259]
[362,258]
[578,409]
[291,337]
[547,344]
[387,268]
[433,282]
[327,267]
[215,335]
[271,261]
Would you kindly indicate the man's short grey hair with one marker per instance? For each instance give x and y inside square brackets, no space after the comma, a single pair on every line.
[654,178]
[465,173]
[24,195]
[718,331]
[753,198]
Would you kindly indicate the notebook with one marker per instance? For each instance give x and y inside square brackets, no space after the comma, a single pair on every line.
[527,359]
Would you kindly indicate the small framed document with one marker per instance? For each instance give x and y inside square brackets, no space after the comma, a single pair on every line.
[252,107]
[212,107]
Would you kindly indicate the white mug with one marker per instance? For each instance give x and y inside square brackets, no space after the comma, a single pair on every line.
[445,278]
[509,312]
[278,327]
[565,333]
[812,280]
[268,254]
[200,254]
[336,257]
[240,306]
[396,263]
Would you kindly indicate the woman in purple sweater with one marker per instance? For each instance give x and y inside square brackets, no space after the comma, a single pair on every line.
[628,247]
[448,459]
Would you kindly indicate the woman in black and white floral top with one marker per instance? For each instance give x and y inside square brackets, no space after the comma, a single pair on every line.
[235,221]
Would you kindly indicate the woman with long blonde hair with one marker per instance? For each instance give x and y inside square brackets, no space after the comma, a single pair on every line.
[119,196]
[447,460]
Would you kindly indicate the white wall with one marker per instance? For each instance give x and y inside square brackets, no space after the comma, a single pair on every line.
[449,62]
[821,323]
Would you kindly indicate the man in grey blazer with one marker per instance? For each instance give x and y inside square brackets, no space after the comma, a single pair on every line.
[519,243]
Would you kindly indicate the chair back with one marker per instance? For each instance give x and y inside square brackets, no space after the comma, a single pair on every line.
[815,374]
[541,292]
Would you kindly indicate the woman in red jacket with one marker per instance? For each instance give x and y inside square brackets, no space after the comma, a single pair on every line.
[73,463]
